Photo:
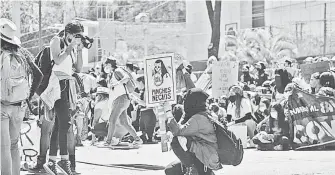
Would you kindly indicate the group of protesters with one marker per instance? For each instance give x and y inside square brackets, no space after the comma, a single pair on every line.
[102,106]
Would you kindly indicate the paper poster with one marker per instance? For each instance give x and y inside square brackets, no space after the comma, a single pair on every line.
[225,74]
[308,69]
[160,79]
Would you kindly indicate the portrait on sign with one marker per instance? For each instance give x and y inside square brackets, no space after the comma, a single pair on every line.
[160,79]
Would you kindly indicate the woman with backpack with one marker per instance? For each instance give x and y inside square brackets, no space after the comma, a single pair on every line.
[195,141]
[119,101]
[16,67]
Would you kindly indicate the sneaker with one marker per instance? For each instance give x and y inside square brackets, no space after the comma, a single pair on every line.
[64,166]
[38,168]
[74,172]
[137,141]
[50,167]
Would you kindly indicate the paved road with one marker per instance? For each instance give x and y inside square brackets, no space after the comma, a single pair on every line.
[149,160]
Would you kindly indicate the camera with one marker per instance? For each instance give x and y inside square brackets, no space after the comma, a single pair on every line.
[85,40]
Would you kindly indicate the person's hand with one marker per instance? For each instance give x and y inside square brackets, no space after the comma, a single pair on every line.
[166,106]
[115,84]
[80,46]
[230,124]
[258,127]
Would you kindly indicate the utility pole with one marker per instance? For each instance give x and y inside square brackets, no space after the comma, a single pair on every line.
[40,24]
[325,30]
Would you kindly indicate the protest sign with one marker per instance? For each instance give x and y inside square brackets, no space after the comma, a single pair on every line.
[308,69]
[160,79]
[225,74]
[312,119]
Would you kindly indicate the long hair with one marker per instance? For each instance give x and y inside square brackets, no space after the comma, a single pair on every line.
[163,68]
[21,54]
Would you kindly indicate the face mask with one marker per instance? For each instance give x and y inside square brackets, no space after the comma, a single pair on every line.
[232,99]
[108,70]
[274,114]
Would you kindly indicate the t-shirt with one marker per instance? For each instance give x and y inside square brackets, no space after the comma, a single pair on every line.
[66,65]
[118,90]
[245,108]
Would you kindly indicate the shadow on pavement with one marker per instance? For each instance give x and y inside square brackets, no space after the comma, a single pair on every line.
[138,167]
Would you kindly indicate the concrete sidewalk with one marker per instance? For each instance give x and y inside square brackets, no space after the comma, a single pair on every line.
[149,160]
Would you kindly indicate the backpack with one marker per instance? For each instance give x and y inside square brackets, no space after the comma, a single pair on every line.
[230,149]
[15,86]
[130,85]
[45,64]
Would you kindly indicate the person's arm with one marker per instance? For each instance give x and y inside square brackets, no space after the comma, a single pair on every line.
[124,78]
[57,54]
[37,74]
[79,63]
[188,81]
[190,128]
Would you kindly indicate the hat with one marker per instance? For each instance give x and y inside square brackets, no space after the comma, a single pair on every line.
[102,90]
[7,30]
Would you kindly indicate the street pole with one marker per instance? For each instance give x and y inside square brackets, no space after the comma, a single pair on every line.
[145,40]
[40,24]
[325,30]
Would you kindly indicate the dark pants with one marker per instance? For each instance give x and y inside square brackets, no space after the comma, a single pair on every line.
[62,121]
[148,122]
[187,159]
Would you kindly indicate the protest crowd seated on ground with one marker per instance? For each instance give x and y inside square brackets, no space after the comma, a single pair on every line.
[108,107]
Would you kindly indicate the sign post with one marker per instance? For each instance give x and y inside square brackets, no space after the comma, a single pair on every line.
[160,87]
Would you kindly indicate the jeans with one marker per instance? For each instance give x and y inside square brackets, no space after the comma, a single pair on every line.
[46,131]
[148,122]
[186,158]
[119,112]
[11,120]
[62,121]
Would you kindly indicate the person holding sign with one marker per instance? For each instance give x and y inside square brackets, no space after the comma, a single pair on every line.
[118,102]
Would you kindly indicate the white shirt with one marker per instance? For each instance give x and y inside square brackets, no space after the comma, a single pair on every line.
[117,91]
[245,108]
[66,65]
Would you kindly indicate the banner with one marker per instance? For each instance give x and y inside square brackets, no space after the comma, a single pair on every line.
[160,79]
[225,74]
[313,119]
[308,69]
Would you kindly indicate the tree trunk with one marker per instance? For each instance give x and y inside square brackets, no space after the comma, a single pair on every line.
[215,19]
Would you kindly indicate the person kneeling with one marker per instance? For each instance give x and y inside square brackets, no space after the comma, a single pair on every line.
[194,142]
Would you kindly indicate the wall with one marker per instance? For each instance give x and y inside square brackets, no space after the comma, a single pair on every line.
[288,16]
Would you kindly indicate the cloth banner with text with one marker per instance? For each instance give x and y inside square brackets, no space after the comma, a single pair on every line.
[225,74]
[313,119]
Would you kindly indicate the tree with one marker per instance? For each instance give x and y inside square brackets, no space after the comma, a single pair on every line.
[215,20]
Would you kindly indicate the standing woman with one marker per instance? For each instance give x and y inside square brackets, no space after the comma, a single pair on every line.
[66,52]
[119,101]
[16,67]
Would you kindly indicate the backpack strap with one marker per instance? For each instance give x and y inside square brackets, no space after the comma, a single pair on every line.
[124,85]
